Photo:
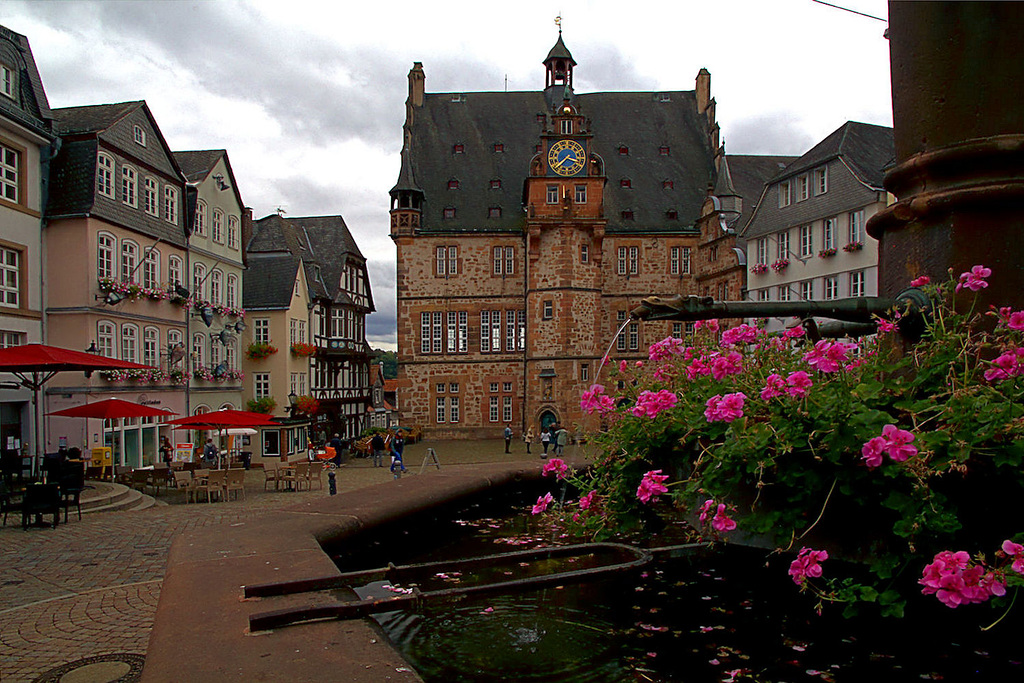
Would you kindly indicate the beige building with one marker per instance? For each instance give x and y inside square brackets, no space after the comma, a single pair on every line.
[25,149]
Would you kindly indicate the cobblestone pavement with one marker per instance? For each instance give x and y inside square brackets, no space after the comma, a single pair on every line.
[91,587]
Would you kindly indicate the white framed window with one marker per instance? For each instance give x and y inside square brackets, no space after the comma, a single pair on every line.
[174,268]
[171,205]
[547,309]
[620,341]
[173,337]
[105,338]
[783,293]
[857,283]
[783,245]
[510,260]
[201,218]
[453,409]
[510,330]
[521,330]
[150,193]
[828,233]
[232,232]
[623,265]
[762,250]
[198,350]
[10,173]
[453,388]
[677,330]
[198,280]
[231,293]
[831,283]
[785,196]
[458,332]
[634,260]
[8,81]
[506,408]
[584,372]
[807,290]
[216,291]
[634,336]
[150,341]
[105,175]
[215,348]
[130,343]
[431,330]
[231,356]
[552,194]
[261,330]
[584,253]
[821,180]
[493,387]
[151,269]
[580,196]
[9,339]
[856,220]
[139,135]
[129,259]
[10,278]
[441,409]
[764,295]
[261,384]
[802,188]
[129,186]
[806,241]
[447,259]
[497,254]
[217,227]
[492,413]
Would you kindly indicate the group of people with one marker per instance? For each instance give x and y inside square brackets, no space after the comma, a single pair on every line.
[554,436]
[378,447]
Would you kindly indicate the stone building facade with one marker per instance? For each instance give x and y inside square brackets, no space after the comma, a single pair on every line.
[527,226]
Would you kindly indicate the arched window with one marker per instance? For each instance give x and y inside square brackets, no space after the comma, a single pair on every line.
[215,347]
[129,194]
[173,339]
[105,255]
[227,406]
[231,297]
[198,348]
[151,269]
[174,270]
[215,287]
[201,410]
[105,175]
[150,341]
[130,343]
[105,338]
[218,226]
[171,205]
[201,218]
[198,275]
[150,197]
[129,259]
[232,232]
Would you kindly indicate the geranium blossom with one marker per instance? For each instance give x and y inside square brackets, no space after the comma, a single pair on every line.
[730,364]
[774,386]
[725,408]
[712,325]
[705,509]
[920,281]
[807,563]
[795,332]
[666,348]
[828,356]
[1016,551]
[650,403]
[556,465]
[743,334]
[974,279]
[799,383]
[697,369]
[587,500]
[651,486]
[1006,366]
[955,581]
[897,443]
[722,521]
[595,400]
[884,326]
[623,366]
[542,503]
[872,451]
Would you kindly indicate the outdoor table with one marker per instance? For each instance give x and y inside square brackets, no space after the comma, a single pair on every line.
[40,499]
[286,472]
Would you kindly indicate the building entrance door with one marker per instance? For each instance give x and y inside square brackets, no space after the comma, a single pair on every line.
[547,418]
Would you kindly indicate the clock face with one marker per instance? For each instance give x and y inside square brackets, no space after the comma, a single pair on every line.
[566,157]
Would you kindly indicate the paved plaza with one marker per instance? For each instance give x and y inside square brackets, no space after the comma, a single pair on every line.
[90,587]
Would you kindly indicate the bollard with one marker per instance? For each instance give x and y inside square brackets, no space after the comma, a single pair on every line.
[332,485]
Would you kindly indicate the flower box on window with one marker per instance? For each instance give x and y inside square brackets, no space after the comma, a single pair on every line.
[853,246]
[759,268]
[260,350]
[780,265]
[133,291]
[827,253]
[302,350]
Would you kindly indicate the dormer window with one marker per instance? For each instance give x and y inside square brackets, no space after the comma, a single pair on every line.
[458,148]
[453,184]
[449,212]
[538,148]
[667,184]
[495,184]
[542,118]
[494,212]
[663,150]
[7,81]
[625,182]
[623,150]
[672,215]
[498,147]
[627,215]
[139,136]
[566,126]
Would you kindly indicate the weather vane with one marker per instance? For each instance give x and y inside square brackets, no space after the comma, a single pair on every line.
[558,22]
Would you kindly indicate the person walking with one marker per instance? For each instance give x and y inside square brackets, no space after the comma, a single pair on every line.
[209,454]
[336,445]
[528,438]
[377,449]
[397,447]
[166,451]
[545,440]
[508,436]
[561,439]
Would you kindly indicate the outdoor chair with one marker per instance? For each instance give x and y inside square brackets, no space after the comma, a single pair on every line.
[214,484]
[302,475]
[123,474]
[289,476]
[159,476]
[315,475]
[72,483]
[271,473]
[139,479]
[183,481]
[7,502]
[39,500]
[234,481]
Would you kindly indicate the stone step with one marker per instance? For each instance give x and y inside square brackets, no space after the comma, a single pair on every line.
[108,497]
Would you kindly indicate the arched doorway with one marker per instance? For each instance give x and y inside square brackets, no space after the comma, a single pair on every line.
[547,418]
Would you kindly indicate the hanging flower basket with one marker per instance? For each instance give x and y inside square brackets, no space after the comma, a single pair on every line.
[853,246]
[827,253]
[260,350]
[780,265]
[302,350]
[307,404]
[759,268]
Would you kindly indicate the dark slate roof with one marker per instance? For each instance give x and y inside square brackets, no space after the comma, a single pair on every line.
[559,51]
[29,108]
[642,121]
[72,179]
[94,118]
[750,174]
[866,148]
[270,281]
[197,164]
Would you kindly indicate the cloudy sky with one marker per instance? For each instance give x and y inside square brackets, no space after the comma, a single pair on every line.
[308,96]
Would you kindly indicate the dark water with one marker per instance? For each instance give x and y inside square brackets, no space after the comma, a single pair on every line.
[728,614]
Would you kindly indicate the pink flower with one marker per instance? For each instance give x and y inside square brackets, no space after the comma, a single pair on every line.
[795,332]
[974,279]
[723,366]
[955,581]
[722,521]
[705,509]
[1016,551]
[712,325]
[744,334]
[666,348]
[807,563]
[556,465]
[828,356]
[650,403]
[774,386]
[587,500]
[725,408]
[542,503]
[623,366]
[697,368]
[799,384]
[921,281]
[872,451]
[884,326]
[594,400]
[638,364]
[897,443]
[1016,320]
[651,486]
[1006,366]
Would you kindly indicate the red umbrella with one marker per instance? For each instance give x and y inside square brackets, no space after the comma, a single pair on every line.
[35,364]
[112,408]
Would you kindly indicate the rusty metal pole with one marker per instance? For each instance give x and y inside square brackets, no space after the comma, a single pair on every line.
[959,132]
